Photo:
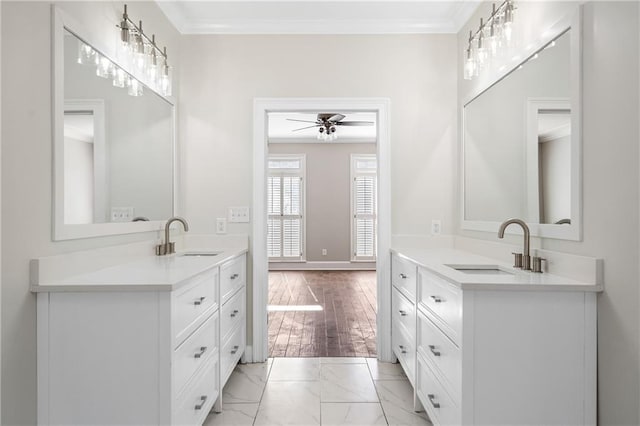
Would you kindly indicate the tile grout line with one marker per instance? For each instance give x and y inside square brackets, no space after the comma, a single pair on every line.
[384,412]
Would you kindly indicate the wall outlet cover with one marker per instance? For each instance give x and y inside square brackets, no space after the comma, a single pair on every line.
[324,252]
[436,227]
[221,225]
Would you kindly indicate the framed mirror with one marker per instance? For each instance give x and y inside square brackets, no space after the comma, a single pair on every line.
[113,143]
[521,142]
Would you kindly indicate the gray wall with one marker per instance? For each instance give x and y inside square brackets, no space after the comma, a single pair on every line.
[328,189]
[26,173]
[610,184]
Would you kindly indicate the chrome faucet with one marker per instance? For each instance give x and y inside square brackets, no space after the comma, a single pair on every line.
[522,260]
[168,247]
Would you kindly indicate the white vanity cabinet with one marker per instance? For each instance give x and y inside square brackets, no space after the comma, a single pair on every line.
[137,354]
[233,314]
[500,353]
[403,313]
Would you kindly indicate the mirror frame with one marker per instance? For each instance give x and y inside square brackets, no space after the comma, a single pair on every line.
[573,231]
[61,21]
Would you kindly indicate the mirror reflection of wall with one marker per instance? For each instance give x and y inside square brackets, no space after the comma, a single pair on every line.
[79,167]
[554,157]
[501,176]
[118,165]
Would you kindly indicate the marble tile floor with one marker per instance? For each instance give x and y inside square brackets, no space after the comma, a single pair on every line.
[318,391]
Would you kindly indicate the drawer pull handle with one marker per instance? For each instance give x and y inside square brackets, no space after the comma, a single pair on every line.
[433,350]
[199,301]
[403,276]
[203,349]
[234,276]
[403,313]
[234,313]
[203,399]
[235,349]
[402,349]
[431,400]
[436,299]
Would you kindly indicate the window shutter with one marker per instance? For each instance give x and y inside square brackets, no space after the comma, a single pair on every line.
[365,210]
[285,207]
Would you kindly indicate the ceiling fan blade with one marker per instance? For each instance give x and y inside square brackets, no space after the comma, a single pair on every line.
[303,121]
[308,127]
[335,118]
[354,123]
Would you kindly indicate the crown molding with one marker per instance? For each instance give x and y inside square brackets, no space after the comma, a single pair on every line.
[459,14]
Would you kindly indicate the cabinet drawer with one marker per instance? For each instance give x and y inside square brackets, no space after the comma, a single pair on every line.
[232,277]
[191,303]
[232,313]
[441,353]
[231,352]
[194,352]
[404,349]
[404,313]
[442,410]
[403,276]
[194,404]
[444,301]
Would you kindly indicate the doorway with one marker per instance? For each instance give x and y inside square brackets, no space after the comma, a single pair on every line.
[344,283]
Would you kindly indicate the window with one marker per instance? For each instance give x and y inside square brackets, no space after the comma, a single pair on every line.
[285,199]
[364,207]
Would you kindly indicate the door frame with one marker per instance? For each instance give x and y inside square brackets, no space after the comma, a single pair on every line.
[261,107]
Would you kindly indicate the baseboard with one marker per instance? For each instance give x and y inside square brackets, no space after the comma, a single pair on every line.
[322,266]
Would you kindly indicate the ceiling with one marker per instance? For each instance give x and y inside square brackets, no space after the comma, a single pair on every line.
[318,17]
[281,129]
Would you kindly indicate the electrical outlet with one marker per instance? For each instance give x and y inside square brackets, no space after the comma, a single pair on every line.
[239,214]
[221,225]
[436,227]
[324,252]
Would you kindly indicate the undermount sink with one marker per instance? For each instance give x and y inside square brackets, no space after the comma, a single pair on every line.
[200,253]
[481,269]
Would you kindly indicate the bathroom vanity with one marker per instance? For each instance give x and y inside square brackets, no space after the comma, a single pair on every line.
[483,343]
[152,341]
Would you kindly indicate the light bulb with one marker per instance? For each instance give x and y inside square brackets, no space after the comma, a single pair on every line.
[165,80]
[469,65]
[105,67]
[125,37]
[153,69]
[135,87]
[119,78]
[507,29]
[86,54]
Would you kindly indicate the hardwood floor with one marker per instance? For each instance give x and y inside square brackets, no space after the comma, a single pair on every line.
[322,314]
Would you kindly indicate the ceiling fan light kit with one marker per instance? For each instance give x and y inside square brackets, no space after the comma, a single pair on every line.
[326,124]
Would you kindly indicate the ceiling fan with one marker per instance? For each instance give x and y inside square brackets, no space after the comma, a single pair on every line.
[326,124]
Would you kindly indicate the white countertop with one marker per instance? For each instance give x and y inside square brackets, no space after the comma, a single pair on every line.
[153,273]
[436,259]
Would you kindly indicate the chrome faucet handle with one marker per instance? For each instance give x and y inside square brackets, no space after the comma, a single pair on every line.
[536,264]
[517,260]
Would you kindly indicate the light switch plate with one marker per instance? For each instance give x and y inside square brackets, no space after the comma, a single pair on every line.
[221,225]
[239,214]
[122,214]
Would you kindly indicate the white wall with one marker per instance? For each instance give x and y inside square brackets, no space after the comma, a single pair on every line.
[611,184]
[328,196]
[221,76]
[26,173]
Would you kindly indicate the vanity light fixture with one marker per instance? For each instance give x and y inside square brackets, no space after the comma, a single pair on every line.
[490,39]
[150,63]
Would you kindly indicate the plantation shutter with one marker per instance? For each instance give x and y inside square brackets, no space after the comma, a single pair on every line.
[365,210]
[285,208]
